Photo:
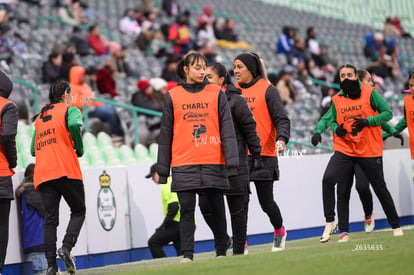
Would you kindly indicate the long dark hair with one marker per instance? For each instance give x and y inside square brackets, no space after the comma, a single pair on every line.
[221,71]
[57,90]
[189,59]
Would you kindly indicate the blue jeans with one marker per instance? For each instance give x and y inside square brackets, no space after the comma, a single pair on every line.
[39,262]
[108,114]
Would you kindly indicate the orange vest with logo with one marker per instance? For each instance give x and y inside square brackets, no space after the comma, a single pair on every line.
[4,164]
[55,157]
[409,117]
[255,96]
[196,129]
[365,143]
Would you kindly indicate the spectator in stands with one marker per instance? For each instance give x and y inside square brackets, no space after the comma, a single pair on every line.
[145,37]
[96,42]
[285,41]
[227,38]
[72,12]
[304,80]
[273,78]
[79,40]
[326,102]
[374,43]
[387,64]
[285,86]
[180,35]
[159,47]
[68,61]
[117,60]
[128,23]
[91,73]
[143,97]
[206,17]
[170,8]
[32,213]
[51,68]
[313,46]
[105,81]
[205,34]
[397,24]
[8,130]
[390,29]
[298,53]
[169,230]
[169,70]
[81,92]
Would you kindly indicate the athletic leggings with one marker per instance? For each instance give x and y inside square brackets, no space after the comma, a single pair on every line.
[74,195]
[264,191]
[238,206]
[340,170]
[187,201]
[365,195]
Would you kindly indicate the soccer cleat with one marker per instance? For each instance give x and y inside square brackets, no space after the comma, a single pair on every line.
[330,228]
[246,251]
[186,260]
[279,243]
[397,232]
[343,238]
[229,242]
[369,224]
[67,260]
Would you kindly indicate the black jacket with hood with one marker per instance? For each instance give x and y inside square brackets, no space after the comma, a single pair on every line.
[197,177]
[8,130]
[247,138]
[281,121]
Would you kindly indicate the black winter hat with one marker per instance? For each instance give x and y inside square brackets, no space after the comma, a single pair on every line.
[6,84]
[251,62]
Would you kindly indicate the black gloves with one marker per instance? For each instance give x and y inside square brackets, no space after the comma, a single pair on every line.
[398,135]
[340,131]
[316,139]
[360,123]
[257,163]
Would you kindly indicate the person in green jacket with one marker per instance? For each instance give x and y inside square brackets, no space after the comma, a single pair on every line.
[362,109]
[169,230]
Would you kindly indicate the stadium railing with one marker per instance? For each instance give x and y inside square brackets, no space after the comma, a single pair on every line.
[82,26]
[135,110]
[34,89]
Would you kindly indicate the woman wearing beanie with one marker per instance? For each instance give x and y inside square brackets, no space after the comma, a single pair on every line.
[198,142]
[273,129]
[245,129]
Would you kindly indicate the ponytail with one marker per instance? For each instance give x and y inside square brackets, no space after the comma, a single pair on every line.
[56,92]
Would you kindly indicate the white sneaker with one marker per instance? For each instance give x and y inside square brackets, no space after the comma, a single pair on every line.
[330,227]
[246,250]
[397,232]
[279,243]
[186,260]
[369,224]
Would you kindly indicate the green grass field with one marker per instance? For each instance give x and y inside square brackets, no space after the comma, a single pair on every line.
[374,253]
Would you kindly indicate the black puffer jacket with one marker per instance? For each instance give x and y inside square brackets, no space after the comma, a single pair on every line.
[193,177]
[245,128]
[8,131]
[282,124]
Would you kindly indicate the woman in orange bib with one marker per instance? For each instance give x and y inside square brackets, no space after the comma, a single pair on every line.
[57,144]
[198,142]
[273,129]
[356,115]
[247,139]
